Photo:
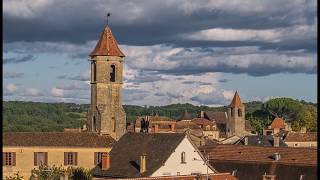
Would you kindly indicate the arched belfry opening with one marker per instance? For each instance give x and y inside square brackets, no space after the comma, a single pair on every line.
[113,73]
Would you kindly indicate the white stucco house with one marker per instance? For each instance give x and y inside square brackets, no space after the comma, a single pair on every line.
[153,155]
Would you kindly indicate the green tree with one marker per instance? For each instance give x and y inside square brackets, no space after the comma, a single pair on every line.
[286,108]
[306,117]
[47,173]
[80,173]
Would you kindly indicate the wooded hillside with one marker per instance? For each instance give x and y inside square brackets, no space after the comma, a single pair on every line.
[36,116]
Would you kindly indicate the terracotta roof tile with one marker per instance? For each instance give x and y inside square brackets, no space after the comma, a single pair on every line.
[306,156]
[218,117]
[216,176]
[185,116]
[65,139]
[125,154]
[301,137]
[107,45]
[236,101]
[277,123]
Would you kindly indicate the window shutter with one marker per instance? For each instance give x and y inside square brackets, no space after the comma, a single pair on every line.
[75,156]
[95,158]
[13,159]
[65,158]
[3,159]
[35,158]
[46,158]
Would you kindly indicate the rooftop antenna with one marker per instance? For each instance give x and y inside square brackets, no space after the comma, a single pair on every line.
[108,16]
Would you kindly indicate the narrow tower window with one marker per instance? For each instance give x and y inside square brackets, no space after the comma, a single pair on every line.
[231,112]
[113,73]
[94,124]
[239,112]
[93,71]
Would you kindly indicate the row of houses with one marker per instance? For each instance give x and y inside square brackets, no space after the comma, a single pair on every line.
[154,155]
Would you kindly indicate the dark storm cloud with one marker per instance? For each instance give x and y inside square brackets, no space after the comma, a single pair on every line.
[224,80]
[150,22]
[19,59]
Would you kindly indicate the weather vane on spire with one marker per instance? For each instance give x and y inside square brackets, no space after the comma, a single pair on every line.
[108,15]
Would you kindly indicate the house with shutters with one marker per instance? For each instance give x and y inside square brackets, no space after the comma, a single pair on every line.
[24,151]
[138,155]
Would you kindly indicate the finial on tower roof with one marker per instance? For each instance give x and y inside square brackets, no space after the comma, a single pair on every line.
[108,15]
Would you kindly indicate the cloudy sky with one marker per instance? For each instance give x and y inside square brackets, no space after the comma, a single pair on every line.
[177,51]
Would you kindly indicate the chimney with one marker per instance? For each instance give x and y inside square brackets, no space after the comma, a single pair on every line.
[268,177]
[173,127]
[143,161]
[276,140]
[303,129]
[246,140]
[156,128]
[105,162]
[276,156]
[201,114]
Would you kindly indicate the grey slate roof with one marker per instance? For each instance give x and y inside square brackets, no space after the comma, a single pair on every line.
[125,154]
[259,140]
[65,139]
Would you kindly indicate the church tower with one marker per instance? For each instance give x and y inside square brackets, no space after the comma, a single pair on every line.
[236,117]
[106,114]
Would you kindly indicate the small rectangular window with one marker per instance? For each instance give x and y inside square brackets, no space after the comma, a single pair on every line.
[9,159]
[97,157]
[70,158]
[40,158]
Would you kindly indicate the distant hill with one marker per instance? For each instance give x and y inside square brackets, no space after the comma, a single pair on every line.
[37,116]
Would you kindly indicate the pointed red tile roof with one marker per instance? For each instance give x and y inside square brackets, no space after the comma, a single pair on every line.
[236,101]
[107,45]
[278,123]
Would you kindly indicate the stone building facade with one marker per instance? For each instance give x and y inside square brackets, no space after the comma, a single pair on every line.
[106,114]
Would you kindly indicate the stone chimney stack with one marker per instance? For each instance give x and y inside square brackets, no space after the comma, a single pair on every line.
[276,140]
[156,128]
[143,161]
[276,156]
[105,162]
[246,140]
[201,114]
[173,127]
[268,177]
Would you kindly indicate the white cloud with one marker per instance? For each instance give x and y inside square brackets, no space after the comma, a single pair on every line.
[10,88]
[264,35]
[57,92]
[32,92]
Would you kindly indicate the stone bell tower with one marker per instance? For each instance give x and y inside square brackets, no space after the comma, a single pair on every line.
[236,117]
[106,114]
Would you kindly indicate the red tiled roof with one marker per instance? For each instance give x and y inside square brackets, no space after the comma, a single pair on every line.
[65,139]
[277,123]
[236,101]
[301,137]
[202,121]
[218,117]
[217,176]
[306,156]
[107,45]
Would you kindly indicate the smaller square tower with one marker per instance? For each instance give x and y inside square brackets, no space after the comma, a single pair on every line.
[236,117]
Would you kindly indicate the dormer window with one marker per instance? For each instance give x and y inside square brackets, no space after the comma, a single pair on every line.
[183,158]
